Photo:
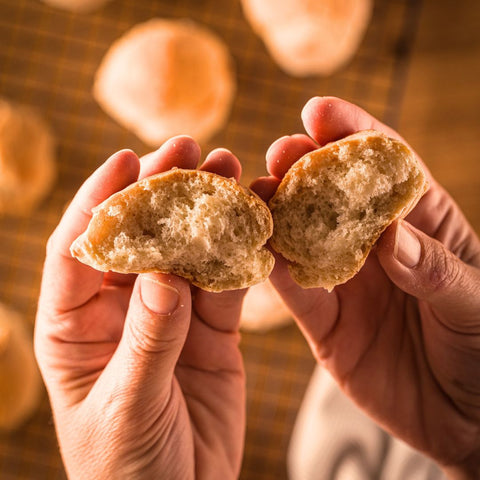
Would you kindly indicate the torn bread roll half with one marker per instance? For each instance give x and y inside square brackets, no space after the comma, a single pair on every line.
[333,204]
[195,224]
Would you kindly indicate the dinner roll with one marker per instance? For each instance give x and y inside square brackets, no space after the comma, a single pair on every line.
[81,6]
[27,158]
[20,382]
[195,224]
[333,204]
[167,77]
[309,37]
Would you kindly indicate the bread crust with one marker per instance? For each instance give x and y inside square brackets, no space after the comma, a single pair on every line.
[306,274]
[86,247]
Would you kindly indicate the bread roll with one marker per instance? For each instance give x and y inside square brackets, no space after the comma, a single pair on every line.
[81,6]
[20,382]
[333,204]
[309,37]
[167,77]
[27,158]
[195,224]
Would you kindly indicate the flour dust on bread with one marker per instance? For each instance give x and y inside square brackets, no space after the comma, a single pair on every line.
[195,224]
[333,204]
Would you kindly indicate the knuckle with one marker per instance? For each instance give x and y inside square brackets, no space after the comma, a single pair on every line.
[146,338]
[444,270]
[142,342]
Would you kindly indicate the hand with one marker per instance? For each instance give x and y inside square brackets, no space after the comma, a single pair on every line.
[402,338]
[143,372]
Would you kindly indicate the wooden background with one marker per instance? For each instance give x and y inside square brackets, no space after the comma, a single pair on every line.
[440,114]
[418,69]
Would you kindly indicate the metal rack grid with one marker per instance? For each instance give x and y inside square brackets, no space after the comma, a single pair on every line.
[48,58]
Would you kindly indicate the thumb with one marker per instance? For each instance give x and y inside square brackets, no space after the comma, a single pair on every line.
[154,333]
[426,269]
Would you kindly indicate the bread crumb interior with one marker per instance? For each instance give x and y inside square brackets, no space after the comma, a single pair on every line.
[342,205]
[190,228]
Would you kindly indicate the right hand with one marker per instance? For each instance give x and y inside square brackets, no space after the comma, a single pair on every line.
[402,338]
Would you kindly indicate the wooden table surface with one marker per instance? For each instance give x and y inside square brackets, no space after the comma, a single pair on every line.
[440,113]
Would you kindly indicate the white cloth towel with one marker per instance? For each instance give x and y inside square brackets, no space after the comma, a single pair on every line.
[334,440]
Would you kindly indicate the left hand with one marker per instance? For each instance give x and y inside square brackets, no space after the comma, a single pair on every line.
[402,338]
[143,372]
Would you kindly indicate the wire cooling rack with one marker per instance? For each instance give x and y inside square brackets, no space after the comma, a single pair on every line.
[48,58]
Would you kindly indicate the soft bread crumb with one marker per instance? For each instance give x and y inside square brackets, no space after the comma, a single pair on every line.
[334,203]
[195,224]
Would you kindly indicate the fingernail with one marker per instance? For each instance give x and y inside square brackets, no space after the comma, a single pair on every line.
[158,297]
[407,248]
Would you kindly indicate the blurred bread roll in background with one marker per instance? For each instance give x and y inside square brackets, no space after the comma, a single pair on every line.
[309,37]
[263,309]
[20,382]
[81,6]
[167,77]
[27,158]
